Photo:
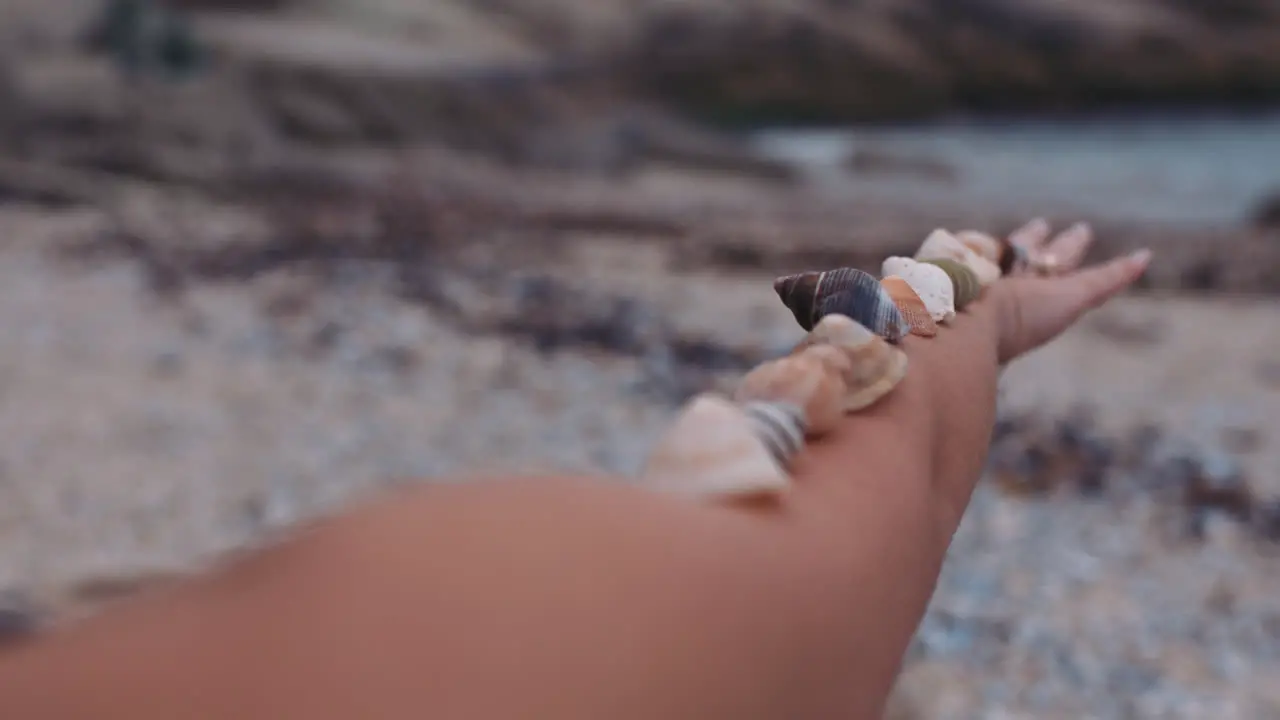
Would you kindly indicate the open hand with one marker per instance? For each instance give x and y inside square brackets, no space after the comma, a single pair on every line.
[1036,309]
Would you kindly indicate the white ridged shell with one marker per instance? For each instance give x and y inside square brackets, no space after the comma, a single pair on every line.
[930,282]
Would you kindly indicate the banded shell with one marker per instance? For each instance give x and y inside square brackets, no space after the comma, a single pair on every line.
[716,448]
[875,367]
[967,287]
[809,380]
[981,243]
[943,245]
[930,282]
[911,306]
[846,291]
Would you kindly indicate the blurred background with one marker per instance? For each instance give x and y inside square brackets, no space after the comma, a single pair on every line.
[260,257]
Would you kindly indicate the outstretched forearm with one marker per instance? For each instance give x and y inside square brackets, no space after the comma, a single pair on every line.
[569,598]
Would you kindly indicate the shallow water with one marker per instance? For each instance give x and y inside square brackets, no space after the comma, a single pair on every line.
[1211,170]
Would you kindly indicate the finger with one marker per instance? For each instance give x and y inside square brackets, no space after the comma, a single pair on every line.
[1071,245]
[1032,236]
[1090,288]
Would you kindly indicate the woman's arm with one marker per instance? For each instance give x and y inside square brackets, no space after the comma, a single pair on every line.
[567,598]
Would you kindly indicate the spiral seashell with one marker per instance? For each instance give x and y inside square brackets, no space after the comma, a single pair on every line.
[874,366]
[810,380]
[911,306]
[847,291]
[942,244]
[981,243]
[967,287]
[930,282]
[781,427]
[716,448]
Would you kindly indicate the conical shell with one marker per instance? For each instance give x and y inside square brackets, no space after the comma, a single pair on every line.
[874,366]
[799,293]
[931,283]
[781,427]
[716,448]
[943,245]
[806,380]
[981,243]
[845,291]
[967,287]
[911,306]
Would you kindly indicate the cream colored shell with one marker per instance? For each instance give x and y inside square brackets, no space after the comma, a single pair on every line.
[930,282]
[943,245]
[982,244]
[874,366]
[811,380]
[716,449]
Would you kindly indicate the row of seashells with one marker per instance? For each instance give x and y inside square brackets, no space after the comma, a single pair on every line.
[743,446]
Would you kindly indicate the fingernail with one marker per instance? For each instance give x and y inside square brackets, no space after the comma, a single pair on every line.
[1141,257]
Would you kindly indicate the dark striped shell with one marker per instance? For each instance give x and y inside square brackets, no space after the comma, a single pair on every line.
[850,292]
[966,283]
[780,426]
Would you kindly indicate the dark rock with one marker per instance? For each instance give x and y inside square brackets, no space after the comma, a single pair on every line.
[1241,440]
[1266,519]
[1267,215]
[1097,457]
[1141,444]
[1217,482]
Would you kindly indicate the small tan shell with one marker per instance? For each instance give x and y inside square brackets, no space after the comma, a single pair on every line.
[806,380]
[981,243]
[942,245]
[930,282]
[875,367]
[716,448]
[911,306]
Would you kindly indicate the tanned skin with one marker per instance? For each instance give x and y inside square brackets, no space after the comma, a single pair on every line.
[572,598]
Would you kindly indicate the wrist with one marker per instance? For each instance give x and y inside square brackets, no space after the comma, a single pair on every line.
[1001,302]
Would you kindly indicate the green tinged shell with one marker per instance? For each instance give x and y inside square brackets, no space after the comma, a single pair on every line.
[965,281]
